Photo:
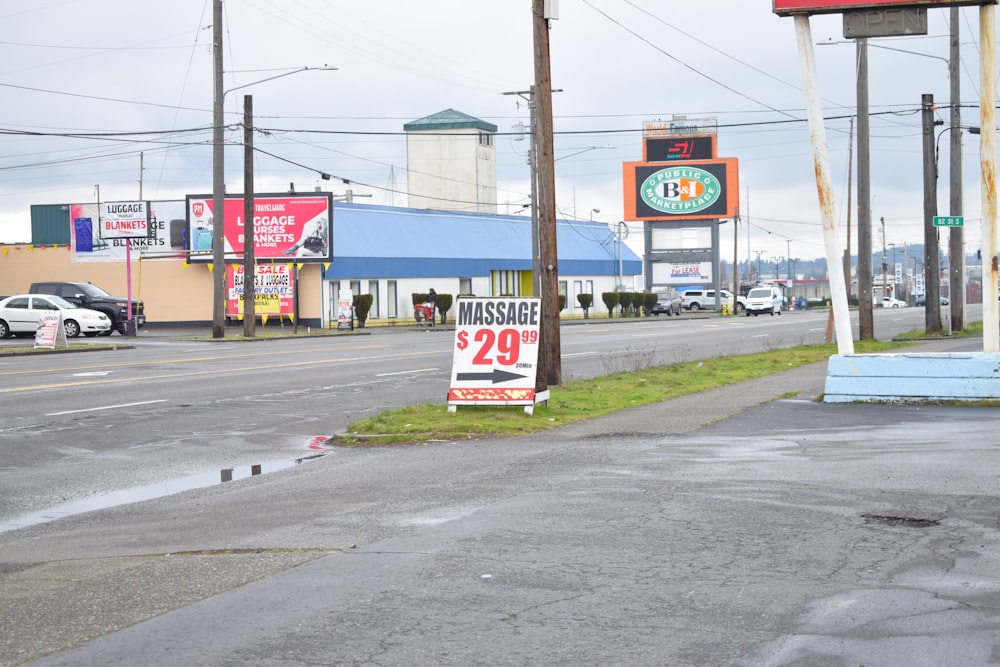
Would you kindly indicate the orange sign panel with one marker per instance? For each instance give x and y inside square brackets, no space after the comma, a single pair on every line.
[696,190]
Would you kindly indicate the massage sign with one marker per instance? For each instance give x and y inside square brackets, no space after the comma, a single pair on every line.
[496,352]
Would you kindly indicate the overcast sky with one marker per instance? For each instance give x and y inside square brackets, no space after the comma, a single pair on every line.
[136,78]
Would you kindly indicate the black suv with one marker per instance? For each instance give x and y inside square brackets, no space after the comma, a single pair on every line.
[89,295]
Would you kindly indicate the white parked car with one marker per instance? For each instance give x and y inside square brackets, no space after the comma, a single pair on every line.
[22,314]
[889,302]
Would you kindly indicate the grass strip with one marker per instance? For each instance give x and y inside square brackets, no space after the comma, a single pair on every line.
[577,400]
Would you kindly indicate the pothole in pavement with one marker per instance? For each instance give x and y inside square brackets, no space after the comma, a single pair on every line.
[906,521]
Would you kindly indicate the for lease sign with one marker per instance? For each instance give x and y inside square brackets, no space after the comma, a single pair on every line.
[834,6]
[496,351]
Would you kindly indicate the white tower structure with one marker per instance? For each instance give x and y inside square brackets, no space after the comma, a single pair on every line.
[451,163]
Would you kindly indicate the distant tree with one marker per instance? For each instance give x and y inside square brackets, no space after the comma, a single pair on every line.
[585,301]
[444,305]
[610,300]
[625,301]
[362,306]
[650,303]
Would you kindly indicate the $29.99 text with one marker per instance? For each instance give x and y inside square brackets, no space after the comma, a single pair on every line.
[506,343]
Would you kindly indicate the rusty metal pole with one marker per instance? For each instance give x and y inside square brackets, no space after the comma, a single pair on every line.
[821,161]
[988,160]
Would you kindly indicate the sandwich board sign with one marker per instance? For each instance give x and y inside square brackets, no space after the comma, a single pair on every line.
[50,332]
[496,352]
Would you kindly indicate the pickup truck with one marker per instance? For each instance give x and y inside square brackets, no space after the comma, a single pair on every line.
[699,299]
[89,295]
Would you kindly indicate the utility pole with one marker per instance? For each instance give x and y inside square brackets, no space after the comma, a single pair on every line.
[549,346]
[759,253]
[885,262]
[736,260]
[218,183]
[932,272]
[956,235]
[536,260]
[866,317]
[249,262]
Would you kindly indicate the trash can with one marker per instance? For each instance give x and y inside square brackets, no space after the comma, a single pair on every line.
[129,328]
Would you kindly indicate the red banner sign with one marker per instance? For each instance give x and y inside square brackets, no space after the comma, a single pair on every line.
[285,227]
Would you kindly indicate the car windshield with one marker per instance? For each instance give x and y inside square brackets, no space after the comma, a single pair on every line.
[92,290]
[758,293]
[60,302]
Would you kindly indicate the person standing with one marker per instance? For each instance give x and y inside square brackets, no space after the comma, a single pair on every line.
[432,299]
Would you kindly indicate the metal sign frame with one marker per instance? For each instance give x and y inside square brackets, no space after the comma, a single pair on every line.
[787,7]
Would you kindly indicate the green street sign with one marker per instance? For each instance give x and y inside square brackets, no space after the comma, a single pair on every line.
[949,221]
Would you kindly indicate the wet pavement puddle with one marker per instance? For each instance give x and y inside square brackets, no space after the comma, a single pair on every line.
[161,489]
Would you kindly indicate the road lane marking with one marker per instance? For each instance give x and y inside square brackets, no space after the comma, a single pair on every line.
[182,360]
[419,370]
[105,407]
[317,362]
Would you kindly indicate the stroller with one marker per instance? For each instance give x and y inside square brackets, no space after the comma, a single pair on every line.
[423,313]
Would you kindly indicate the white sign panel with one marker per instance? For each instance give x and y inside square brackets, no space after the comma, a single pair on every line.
[124,220]
[681,273]
[50,332]
[496,351]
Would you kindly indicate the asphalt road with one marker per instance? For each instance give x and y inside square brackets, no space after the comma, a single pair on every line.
[748,525]
[81,430]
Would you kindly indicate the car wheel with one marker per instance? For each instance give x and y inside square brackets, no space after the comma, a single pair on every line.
[4,329]
[72,328]
[694,306]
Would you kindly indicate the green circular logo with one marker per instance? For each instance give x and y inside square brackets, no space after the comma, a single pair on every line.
[680,190]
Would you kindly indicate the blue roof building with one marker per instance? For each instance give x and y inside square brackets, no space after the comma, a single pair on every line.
[391,252]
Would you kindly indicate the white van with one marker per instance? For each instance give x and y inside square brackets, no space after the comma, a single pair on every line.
[765,299]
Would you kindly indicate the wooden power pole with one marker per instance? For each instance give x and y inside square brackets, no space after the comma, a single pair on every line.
[550,353]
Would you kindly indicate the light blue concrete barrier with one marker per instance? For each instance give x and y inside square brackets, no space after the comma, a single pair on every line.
[912,378]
